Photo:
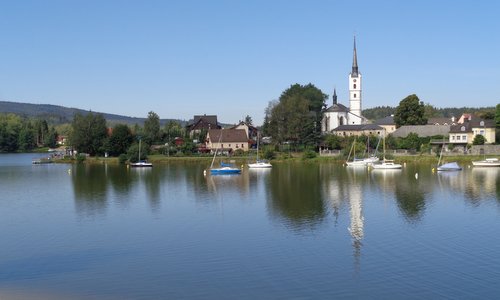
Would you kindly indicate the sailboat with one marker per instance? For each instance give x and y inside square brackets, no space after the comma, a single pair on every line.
[224,167]
[259,164]
[371,158]
[386,164]
[141,163]
[487,162]
[451,166]
[356,162]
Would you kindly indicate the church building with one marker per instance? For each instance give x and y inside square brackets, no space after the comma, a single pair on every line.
[339,115]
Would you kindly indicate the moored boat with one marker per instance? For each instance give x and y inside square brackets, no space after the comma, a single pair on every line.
[488,162]
[452,166]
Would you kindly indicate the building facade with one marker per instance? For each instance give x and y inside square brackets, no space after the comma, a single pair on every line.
[340,115]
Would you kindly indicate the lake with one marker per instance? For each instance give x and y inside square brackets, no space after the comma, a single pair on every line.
[297,231]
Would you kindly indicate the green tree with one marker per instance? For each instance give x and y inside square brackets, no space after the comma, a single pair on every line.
[88,133]
[497,121]
[248,120]
[26,137]
[41,129]
[411,111]
[120,140]
[151,128]
[10,126]
[479,140]
[430,111]
[297,115]
[133,152]
[333,141]
[50,138]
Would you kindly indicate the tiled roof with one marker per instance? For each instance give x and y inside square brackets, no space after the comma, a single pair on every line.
[228,135]
[337,108]
[358,127]
[421,130]
[389,120]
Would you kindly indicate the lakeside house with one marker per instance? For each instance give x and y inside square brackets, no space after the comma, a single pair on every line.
[227,140]
[202,122]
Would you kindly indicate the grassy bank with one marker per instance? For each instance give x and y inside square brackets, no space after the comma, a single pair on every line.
[280,158]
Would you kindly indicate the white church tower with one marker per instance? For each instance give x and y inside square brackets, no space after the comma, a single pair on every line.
[355,91]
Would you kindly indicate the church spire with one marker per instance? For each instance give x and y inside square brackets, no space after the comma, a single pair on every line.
[334,97]
[354,72]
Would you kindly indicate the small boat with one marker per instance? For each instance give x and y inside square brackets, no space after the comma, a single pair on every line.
[386,164]
[355,162]
[140,163]
[488,162]
[40,161]
[259,164]
[452,166]
[225,169]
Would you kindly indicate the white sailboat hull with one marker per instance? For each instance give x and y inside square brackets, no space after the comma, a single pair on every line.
[489,162]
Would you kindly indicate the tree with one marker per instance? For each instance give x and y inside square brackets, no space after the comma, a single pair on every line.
[10,126]
[89,133]
[479,140]
[430,111]
[497,121]
[26,137]
[411,111]
[248,120]
[296,116]
[151,128]
[50,138]
[120,140]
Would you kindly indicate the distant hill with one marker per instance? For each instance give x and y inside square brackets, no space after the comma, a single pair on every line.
[55,114]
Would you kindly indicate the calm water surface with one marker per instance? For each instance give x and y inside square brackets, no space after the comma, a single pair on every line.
[298,231]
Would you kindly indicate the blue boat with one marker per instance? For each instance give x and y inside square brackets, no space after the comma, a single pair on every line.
[225,169]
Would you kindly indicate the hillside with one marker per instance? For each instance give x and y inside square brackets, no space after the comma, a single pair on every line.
[55,114]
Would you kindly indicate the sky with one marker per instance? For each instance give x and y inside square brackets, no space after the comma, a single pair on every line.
[231,58]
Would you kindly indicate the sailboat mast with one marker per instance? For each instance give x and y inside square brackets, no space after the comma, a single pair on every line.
[139,150]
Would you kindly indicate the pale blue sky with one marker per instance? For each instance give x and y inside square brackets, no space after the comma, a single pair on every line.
[230,58]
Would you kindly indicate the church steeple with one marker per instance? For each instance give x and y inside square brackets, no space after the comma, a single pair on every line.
[334,97]
[354,72]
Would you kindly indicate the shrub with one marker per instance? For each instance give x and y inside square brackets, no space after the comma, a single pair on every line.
[122,158]
[309,154]
[80,158]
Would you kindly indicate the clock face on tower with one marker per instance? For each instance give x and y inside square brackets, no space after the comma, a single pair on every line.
[354,80]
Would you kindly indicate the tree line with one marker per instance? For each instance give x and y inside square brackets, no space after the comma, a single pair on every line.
[25,134]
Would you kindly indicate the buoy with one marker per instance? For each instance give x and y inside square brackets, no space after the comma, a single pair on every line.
[433,170]
[69,171]
[204,172]
[416,175]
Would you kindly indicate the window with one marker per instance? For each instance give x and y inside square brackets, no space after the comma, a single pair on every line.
[354,86]
[462,128]
[354,96]
[229,146]
[222,145]
[237,146]
[481,132]
[464,137]
[458,138]
[452,137]
[242,146]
